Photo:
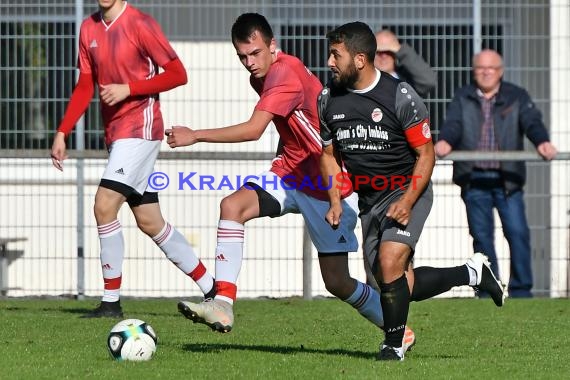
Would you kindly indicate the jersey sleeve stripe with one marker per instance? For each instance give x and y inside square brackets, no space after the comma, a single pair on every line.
[313,135]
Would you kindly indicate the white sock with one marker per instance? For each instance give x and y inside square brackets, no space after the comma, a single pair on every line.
[112,255]
[472,275]
[229,254]
[180,252]
[367,301]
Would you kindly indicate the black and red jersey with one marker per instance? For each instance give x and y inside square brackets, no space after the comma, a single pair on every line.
[375,130]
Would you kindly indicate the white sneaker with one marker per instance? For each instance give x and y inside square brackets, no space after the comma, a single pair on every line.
[486,280]
[409,339]
[216,314]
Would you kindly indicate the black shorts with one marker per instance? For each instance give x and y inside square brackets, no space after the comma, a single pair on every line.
[134,199]
[377,227]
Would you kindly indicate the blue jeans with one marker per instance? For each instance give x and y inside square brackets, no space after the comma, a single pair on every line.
[488,193]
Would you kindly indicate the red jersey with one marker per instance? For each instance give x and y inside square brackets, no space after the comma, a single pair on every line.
[129,49]
[289,91]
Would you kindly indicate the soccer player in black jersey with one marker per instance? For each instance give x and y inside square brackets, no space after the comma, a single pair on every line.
[378,128]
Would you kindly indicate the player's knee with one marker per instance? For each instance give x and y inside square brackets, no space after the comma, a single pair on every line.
[145,227]
[150,226]
[391,265]
[107,205]
[103,213]
[338,286]
[232,210]
[333,287]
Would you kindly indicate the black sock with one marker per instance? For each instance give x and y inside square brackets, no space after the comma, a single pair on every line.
[395,301]
[430,281]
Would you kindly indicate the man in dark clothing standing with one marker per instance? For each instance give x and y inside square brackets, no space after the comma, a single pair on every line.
[493,115]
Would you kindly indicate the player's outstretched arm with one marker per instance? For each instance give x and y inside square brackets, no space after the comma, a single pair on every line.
[250,130]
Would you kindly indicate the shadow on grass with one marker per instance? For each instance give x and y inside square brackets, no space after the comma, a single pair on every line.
[57,309]
[10,308]
[77,310]
[128,313]
[217,347]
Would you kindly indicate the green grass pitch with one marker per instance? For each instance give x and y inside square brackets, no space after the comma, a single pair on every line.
[291,339]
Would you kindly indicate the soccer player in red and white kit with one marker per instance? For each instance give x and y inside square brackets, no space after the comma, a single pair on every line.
[120,50]
[288,96]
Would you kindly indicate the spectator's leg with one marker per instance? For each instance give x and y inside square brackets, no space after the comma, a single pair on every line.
[515,227]
[479,207]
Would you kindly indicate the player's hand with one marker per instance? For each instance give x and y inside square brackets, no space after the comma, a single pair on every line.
[400,211]
[442,148]
[547,150]
[58,151]
[333,215]
[180,136]
[112,94]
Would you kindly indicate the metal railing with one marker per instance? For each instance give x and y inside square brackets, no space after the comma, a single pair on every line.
[30,186]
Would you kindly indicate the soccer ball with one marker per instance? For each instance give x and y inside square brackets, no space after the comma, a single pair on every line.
[132,339]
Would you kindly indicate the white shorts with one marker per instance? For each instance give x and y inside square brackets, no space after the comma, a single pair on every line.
[131,162]
[324,238]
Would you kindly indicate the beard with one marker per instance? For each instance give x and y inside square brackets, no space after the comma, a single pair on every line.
[347,78]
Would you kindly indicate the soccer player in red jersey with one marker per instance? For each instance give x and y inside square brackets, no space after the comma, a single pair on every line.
[120,51]
[288,96]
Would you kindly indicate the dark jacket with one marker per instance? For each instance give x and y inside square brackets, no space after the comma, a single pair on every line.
[412,68]
[515,116]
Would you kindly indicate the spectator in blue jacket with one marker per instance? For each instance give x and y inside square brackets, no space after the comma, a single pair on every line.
[494,115]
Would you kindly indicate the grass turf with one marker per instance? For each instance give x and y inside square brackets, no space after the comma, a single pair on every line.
[291,339]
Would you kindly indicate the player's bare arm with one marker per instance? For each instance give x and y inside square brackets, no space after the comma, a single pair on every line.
[401,210]
[250,130]
[330,169]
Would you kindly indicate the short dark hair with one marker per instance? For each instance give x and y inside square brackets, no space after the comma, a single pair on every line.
[247,23]
[357,37]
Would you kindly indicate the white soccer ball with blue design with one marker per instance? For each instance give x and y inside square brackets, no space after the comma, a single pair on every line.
[132,339]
